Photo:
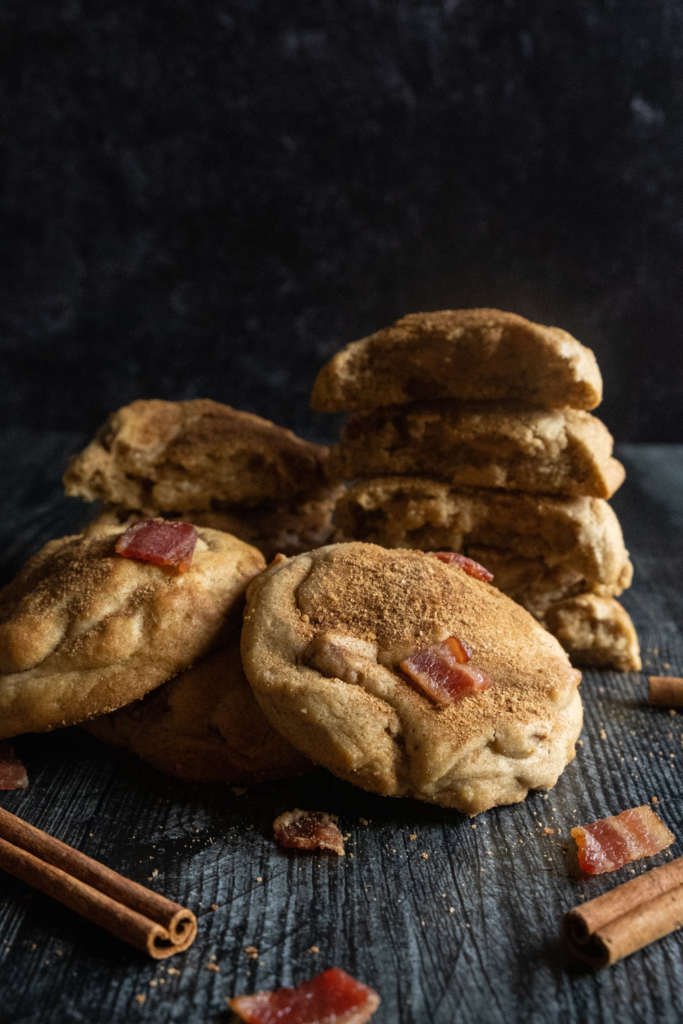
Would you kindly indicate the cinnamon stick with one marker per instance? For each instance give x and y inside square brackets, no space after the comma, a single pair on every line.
[665,691]
[628,917]
[142,918]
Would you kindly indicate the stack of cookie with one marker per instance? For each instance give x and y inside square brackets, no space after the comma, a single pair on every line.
[211,464]
[470,431]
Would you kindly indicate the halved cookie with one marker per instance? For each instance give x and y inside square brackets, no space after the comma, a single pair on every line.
[539,548]
[471,354]
[595,630]
[204,725]
[324,637]
[559,451]
[171,458]
[84,631]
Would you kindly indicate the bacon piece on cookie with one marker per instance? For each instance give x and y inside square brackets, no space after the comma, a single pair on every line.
[608,844]
[333,997]
[441,672]
[308,830]
[468,565]
[165,543]
[12,771]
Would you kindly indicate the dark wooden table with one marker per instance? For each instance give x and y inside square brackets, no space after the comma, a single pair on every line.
[451,920]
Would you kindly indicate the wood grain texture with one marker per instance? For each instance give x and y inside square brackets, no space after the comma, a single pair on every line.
[469,933]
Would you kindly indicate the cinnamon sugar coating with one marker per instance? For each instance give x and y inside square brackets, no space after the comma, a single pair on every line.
[558,451]
[159,457]
[204,725]
[84,631]
[471,354]
[324,633]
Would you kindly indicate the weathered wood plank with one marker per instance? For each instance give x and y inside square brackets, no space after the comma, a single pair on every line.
[467,934]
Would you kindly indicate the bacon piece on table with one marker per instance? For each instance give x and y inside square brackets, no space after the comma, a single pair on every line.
[608,844]
[165,543]
[308,830]
[472,568]
[333,997]
[12,771]
[441,672]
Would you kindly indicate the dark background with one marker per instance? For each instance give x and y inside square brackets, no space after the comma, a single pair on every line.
[209,198]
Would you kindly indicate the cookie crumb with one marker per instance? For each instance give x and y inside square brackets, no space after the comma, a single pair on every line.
[141,998]
[252,952]
[424,855]
[213,967]
[412,836]
[259,878]
[602,734]
[654,800]
[549,831]
[214,907]
[237,790]
[364,821]
[314,949]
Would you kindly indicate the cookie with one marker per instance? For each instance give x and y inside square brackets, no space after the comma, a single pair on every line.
[287,528]
[84,631]
[558,451]
[595,631]
[204,725]
[522,538]
[471,354]
[172,458]
[324,636]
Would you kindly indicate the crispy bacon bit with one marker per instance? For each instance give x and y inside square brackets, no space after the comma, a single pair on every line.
[165,543]
[308,830]
[609,843]
[442,672]
[333,997]
[12,771]
[471,567]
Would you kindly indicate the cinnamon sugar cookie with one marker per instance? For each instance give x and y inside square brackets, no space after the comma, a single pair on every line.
[325,638]
[540,549]
[167,458]
[204,725]
[551,451]
[471,354]
[84,631]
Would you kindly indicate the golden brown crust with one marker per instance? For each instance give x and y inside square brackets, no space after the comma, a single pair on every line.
[471,354]
[322,638]
[540,549]
[84,631]
[595,631]
[204,725]
[170,458]
[559,451]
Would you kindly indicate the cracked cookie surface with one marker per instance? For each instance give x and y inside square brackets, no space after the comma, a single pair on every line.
[323,636]
[84,631]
